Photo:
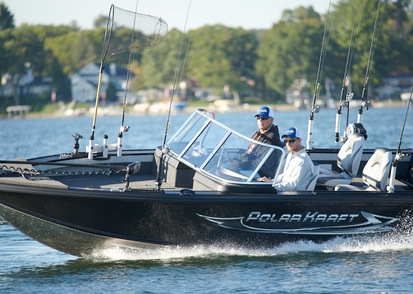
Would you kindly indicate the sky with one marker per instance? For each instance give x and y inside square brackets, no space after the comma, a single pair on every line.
[180,14]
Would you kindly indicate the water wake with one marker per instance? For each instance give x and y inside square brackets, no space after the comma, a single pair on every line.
[384,243]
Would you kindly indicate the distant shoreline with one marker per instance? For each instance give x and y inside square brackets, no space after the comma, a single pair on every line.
[190,109]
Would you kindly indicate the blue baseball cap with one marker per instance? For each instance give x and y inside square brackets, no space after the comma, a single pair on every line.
[265,112]
[292,133]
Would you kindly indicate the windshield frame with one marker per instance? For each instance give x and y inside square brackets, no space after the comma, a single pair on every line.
[209,139]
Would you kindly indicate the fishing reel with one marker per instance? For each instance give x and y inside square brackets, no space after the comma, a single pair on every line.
[132,168]
[124,129]
[75,153]
[346,103]
[365,104]
[76,138]
[356,128]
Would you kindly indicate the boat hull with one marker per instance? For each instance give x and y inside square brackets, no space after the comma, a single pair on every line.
[80,221]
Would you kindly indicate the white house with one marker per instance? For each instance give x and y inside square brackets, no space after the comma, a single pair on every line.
[84,82]
[395,84]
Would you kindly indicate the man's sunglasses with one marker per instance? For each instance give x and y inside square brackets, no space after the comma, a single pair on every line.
[291,141]
[261,118]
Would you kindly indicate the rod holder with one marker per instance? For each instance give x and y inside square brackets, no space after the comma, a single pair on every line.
[105,146]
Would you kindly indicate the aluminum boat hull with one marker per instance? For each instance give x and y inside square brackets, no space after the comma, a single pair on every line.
[81,221]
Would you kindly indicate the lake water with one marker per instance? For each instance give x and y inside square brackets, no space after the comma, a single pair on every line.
[337,266]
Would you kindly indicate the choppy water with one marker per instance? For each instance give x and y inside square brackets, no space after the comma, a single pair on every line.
[337,266]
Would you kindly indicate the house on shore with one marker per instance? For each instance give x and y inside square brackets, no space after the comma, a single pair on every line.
[394,85]
[84,83]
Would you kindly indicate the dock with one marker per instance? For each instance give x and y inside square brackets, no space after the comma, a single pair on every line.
[17,110]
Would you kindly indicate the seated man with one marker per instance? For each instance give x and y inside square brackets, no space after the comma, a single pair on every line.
[267,133]
[299,169]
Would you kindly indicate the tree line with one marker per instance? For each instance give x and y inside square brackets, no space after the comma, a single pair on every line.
[262,63]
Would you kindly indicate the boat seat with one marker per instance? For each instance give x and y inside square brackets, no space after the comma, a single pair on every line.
[313,181]
[348,161]
[375,173]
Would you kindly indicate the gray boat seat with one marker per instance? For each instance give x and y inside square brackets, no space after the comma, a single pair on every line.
[313,180]
[375,173]
[348,160]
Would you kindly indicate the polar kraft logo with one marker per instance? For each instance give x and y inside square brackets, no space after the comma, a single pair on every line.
[309,217]
[314,223]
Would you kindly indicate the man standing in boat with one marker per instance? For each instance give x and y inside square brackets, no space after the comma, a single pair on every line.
[299,169]
[267,133]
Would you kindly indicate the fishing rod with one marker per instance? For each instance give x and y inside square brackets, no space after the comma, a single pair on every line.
[345,99]
[186,57]
[314,107]
[117,41]
[364,100]
[123,128]
[172,95]
[399,155]
[106,42]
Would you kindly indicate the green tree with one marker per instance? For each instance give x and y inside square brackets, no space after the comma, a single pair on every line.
[221,56]
[241,51]
[393,52]
[122,38]
[290,50]
[6,24]
[389,51]
[75,49]
[137,81]
[357,17]
[111,93]
[100,22]
[61,48]
[26,50]
[218,56]
[207,60]
[159,64]
[6,17]
[83,50]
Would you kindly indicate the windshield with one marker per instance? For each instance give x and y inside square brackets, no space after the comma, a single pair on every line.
[213,148]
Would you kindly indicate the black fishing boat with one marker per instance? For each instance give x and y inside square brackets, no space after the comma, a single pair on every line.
[77,205]
[186,192]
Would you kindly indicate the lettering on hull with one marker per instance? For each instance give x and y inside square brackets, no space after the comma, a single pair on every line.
[311,223]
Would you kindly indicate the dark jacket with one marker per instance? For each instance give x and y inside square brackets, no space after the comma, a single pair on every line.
[252,156]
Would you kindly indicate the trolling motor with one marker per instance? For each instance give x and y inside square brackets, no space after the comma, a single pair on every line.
[76,137]
[133,168]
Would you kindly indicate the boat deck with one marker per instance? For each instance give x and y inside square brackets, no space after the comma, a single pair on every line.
[176,173]
[26,174]
[115,181]
[100,181]
[200,156]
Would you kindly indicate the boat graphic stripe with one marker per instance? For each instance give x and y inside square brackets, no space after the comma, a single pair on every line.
[373,224]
